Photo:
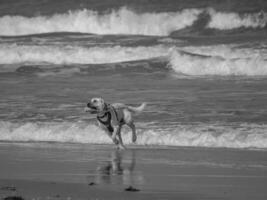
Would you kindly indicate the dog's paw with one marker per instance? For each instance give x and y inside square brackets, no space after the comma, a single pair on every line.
[122,147]
[115,141]
[134,138]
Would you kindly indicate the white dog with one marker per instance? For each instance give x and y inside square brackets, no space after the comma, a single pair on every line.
[111,117]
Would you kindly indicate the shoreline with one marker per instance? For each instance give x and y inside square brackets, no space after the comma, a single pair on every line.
[74,171]
[44,144]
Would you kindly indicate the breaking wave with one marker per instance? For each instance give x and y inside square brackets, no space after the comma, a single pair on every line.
[21,54]
[198,65]
[226,21]
[122,21]
[127,21]
[221,60]
[245,136]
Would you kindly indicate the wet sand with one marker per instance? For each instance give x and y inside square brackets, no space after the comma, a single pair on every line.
[75,171]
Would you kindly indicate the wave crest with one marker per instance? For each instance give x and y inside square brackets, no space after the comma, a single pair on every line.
[226,21]
[217,61]
[246,136]
[221,60]
[122,21]
[126,21]
[21,54]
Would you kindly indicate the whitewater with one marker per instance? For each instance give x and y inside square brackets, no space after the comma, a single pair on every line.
[127,21]
[198,135]
[212,60]
[201,69]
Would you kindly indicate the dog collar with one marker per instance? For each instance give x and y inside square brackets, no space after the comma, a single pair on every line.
[105,114]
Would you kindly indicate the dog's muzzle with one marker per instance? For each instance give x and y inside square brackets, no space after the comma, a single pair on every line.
[90,108]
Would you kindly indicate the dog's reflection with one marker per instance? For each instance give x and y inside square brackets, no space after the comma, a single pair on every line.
[118,170]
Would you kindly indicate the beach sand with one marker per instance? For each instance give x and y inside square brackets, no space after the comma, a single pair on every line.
[80,171]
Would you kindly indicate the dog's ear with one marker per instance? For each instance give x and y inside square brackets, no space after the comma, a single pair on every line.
[105,107]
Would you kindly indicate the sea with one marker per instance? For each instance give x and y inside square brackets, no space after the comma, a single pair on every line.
[201,66]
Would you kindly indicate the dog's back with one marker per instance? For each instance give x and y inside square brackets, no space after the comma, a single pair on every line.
[122,113]
[137,110]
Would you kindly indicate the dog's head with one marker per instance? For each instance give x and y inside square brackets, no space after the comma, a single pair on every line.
[96,105]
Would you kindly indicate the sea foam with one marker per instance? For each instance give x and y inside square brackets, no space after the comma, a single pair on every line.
[221,60]
[67,54]
[122,21]
[202,135]
[128,21]
[230,20]
[197,64]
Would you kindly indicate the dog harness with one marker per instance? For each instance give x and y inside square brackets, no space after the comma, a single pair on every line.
[107,122]
[121,121]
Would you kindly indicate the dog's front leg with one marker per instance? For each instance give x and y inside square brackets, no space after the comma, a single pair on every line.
[117,132]
[121,145]
[110,134]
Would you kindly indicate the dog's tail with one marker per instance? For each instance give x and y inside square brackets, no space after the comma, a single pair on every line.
[138,109]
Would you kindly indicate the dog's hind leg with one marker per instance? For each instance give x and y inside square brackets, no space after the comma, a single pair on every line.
[132,126]
[120,145]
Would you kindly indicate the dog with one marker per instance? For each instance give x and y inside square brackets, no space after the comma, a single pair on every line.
[111,118]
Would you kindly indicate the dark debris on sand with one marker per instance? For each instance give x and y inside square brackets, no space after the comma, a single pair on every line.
[92,183]
[13,198]
[131,189]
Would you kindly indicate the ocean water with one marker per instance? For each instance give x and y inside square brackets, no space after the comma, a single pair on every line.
[200,65]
